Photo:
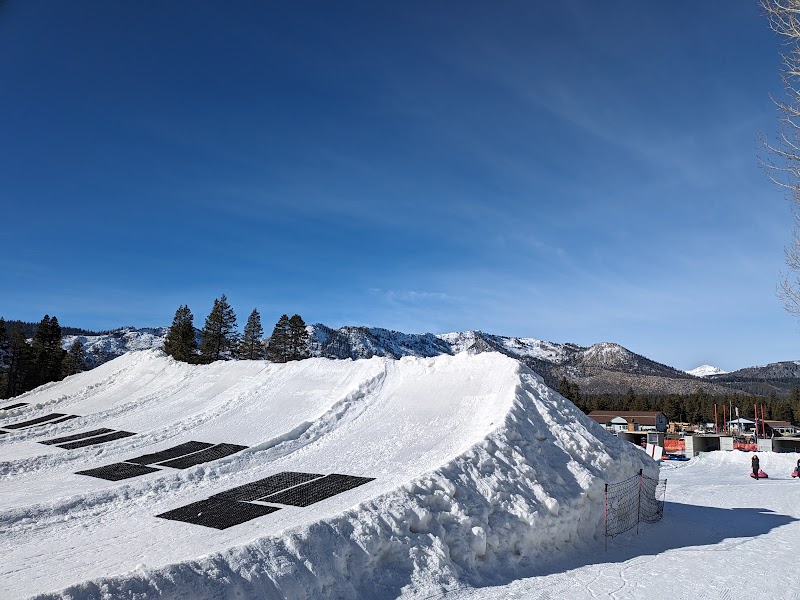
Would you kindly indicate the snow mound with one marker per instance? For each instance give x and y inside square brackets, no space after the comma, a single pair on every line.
[705,371]
[478,469]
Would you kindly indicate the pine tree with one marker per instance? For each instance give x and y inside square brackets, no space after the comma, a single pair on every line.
[564,387]
[251,347]
[73,360]
[278,348]
[219,337]
[298,339]
[19,361]
[180,342]
[46,354]
[3,357]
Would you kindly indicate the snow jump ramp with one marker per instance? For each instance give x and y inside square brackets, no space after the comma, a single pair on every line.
[312,479]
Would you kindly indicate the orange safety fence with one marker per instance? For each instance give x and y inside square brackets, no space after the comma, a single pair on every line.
[745,447]
[673,446]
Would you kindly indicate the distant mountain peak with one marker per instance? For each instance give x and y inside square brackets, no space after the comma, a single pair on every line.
[706,370]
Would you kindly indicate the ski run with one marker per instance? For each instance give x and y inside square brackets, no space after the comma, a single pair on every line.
[455,476]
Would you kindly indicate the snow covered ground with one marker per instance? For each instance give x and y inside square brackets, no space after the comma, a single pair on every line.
[484,484]
[723,536]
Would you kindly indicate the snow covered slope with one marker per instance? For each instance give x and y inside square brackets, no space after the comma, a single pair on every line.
[475,465]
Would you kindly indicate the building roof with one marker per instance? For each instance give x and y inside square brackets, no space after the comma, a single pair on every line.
[778,423]
[630,416]
[627,413]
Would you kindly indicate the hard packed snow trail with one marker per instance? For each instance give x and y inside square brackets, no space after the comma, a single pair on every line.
[477,467]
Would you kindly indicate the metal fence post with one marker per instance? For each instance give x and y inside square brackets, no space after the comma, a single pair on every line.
[606,511]
[639,507]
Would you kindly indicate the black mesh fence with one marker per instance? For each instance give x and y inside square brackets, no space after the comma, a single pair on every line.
[653,493]
[627,503]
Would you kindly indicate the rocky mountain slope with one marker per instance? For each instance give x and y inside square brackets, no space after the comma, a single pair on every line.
[779,377]
[101,348]
[601,368]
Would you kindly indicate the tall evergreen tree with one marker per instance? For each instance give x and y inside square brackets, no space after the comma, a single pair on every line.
[251,346]
[3,357]
[73,360]
[297,347]
[180,342]
[278,349]
[46,353]
[219,337]
[19,361]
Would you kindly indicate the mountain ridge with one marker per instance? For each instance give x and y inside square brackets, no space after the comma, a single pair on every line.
[602,368]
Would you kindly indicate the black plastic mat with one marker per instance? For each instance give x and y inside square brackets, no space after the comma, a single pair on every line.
[204,456]
[17,405]
[118,471]
[218,513]
[117,435]
[169,453]
[319,489]
[36,421]
[264,487]
[76,436]
[61,419]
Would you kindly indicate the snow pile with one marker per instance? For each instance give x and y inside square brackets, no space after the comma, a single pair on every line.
[705,371]
[479,469]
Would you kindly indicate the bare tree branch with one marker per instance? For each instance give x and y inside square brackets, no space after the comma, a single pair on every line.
[782,160]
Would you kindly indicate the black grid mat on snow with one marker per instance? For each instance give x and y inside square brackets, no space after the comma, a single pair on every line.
[319,489]
[36,421]
[218,513]
[76,436]
[62,419]
[17,405]
[204,456]
[169,453]
[264,487]
[118,471]
[101,439]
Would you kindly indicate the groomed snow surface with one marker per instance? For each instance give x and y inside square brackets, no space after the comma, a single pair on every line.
[487,485]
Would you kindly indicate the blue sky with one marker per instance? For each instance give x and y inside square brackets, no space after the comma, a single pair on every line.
[580,172]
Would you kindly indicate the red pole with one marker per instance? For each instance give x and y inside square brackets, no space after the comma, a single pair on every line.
[755,418]
[763,431]
[725,418]
[716,428]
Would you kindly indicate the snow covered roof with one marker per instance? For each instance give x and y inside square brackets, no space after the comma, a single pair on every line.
[640,417]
